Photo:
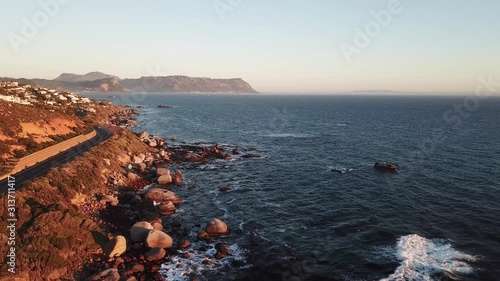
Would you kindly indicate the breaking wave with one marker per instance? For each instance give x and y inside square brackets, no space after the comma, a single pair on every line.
[421,259]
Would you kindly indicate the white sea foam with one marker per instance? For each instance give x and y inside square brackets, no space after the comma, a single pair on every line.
[422,258]
[193,264]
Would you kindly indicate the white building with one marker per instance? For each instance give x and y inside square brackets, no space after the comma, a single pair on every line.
[14,99]
[10,98]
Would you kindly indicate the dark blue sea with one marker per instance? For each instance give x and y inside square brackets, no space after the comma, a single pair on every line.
[438,218]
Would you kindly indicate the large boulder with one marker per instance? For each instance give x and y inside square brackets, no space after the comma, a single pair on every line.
[166,208]
[155,254]
[143,135]
[216,227]
[123,158]
[158,239]
[162,195]
[163,171]
[132,176]
[165,179]
[140,231]
[137,159]
[115,246]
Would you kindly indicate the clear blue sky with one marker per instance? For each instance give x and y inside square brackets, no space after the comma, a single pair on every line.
[276,45]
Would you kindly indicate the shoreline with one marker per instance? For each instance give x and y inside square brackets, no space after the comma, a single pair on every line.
[145,174]
[118,189]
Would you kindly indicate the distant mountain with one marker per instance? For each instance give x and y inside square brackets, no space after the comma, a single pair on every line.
[111,84]
[91,76]
[101,82]
[186,84]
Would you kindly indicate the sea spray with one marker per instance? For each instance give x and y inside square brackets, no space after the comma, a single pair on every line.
[422,258]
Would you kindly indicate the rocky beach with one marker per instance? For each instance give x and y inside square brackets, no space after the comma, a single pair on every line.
[111,213]
[145,239]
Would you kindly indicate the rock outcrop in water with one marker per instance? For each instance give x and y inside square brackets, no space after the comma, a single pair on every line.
[216,227]
[385,167]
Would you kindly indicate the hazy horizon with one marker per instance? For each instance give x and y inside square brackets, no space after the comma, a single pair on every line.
[297,47]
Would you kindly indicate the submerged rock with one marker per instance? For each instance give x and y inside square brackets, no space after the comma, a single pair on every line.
[386,167]
[183,244]
[222,250]
[203,236]
[251,155]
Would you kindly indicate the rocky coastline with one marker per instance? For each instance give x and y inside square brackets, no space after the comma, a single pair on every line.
[136,213]
[111,215]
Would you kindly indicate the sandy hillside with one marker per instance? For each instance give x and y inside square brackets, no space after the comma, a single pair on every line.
[29,128]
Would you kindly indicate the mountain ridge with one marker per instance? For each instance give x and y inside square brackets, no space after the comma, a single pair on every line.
[101,82]
[91,76]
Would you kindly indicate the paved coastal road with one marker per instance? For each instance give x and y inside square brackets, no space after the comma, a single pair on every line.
[44,166]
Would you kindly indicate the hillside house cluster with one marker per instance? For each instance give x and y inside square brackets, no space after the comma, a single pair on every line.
[26,94]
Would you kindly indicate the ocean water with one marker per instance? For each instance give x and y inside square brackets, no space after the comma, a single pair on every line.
[438,218]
